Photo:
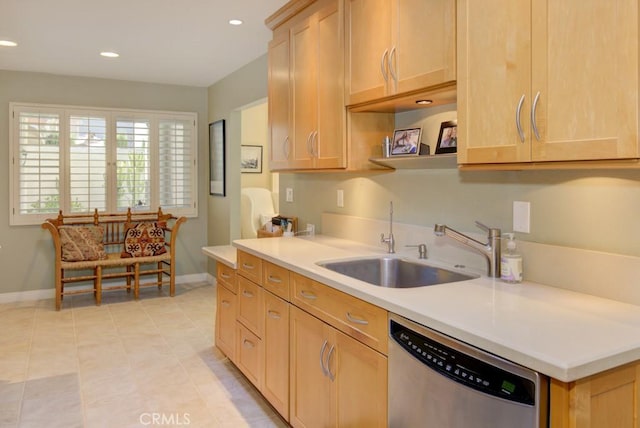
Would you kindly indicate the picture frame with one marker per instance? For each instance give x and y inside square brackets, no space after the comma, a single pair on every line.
[216,158]
[448,137]
[251,159]
[406,142]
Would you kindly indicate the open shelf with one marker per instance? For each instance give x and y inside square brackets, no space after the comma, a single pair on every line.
[418,162]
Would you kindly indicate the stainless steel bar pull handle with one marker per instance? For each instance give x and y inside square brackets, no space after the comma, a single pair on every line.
[248,266]
[383,65]
[324,346]
[226,303]
[225,275]
[314,144]
[248,344]
[518,123]
[285,147]
[309,142]
[329,374]
[392,58]
[356,320]
[273,314]
[246,293]
[533,116]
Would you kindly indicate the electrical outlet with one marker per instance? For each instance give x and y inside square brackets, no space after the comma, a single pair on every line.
[311,229]
[521,216]
[289,196]
[340,198]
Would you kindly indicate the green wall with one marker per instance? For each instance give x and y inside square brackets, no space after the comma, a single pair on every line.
[26,256]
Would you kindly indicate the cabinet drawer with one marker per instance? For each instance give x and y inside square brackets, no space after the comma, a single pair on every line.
[226,276]
[250,307]
[249,355]
[226,322]
[250,267]
[275,385]
[357,318]
[276,280]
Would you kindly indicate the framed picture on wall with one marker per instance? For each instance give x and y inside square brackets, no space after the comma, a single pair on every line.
[251,159]
[216,158]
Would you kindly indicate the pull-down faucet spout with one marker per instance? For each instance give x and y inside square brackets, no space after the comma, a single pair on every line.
[491,249]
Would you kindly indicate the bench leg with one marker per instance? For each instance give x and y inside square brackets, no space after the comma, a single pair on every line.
[172,279]
[136,281]
[59,275]
[159,275]
[98,285]
[128,279]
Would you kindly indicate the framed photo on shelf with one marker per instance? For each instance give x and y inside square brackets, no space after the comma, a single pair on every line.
[251,159]
[216,158]
[406,142]
[448,138]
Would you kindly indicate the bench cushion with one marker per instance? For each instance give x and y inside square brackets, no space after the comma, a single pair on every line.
[144,240]
[81,243]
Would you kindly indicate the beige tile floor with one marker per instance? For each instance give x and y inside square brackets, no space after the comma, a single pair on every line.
[126,363]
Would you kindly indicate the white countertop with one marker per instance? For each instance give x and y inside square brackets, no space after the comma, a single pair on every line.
[225,254]
[563,334]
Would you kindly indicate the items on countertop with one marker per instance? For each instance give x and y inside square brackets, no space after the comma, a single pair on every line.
[511,262]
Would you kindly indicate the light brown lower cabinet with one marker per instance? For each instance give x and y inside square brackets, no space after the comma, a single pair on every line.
[335,380]
[249,355]
[275,386]
[605,400]
[226,313]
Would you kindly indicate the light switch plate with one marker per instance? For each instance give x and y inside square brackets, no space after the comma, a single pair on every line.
[289,194]
[340,201]
[521,216]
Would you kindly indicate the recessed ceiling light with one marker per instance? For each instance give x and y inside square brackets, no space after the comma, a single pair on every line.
[424,102]
[110,54]
[235,22]
[8,43]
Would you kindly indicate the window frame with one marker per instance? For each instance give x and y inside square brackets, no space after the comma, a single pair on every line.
[112,115]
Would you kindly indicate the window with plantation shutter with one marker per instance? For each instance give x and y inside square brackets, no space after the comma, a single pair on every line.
[133,162]
[77,159]
[36,161]
[176,172]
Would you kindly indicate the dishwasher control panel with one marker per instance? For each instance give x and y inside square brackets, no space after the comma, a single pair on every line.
[463,368]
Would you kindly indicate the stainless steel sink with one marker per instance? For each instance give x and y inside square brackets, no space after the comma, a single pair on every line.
[394,272]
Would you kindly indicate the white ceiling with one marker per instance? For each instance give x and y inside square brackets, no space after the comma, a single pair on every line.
[185,42]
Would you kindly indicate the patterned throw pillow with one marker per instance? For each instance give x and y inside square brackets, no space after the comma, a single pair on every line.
[144,239]
[80,243]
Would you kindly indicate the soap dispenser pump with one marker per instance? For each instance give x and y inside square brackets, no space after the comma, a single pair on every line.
[511,262]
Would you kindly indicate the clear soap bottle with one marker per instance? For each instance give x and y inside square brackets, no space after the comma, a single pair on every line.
[511,262]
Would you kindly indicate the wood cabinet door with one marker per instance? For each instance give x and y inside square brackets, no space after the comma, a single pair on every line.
[250,355]
[585,68]
[311,402]
[279,101]
[360,383]
[276,353]
[250,306]
[494,79]
[226,311]
[329,143]
[303,67]
[424,38]
[368,46]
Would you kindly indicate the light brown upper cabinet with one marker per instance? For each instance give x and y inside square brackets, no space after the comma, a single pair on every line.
[306,89]
[542,80]
[398,46]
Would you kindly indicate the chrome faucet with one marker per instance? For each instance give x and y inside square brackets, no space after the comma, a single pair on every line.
[491,250]
[422,250]
[390,240]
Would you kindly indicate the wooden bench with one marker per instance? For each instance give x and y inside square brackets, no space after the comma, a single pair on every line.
[107,260]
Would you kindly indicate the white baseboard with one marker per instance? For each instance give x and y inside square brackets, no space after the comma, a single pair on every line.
[27,296]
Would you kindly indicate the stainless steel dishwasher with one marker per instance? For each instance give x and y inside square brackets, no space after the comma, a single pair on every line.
[436,381]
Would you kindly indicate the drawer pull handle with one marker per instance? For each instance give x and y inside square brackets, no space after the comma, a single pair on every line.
[248,266]
[273,314]
[226,303]
[356,320]
[275,279]
[307,295]
[246,293]
[225,275]
[248,344]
